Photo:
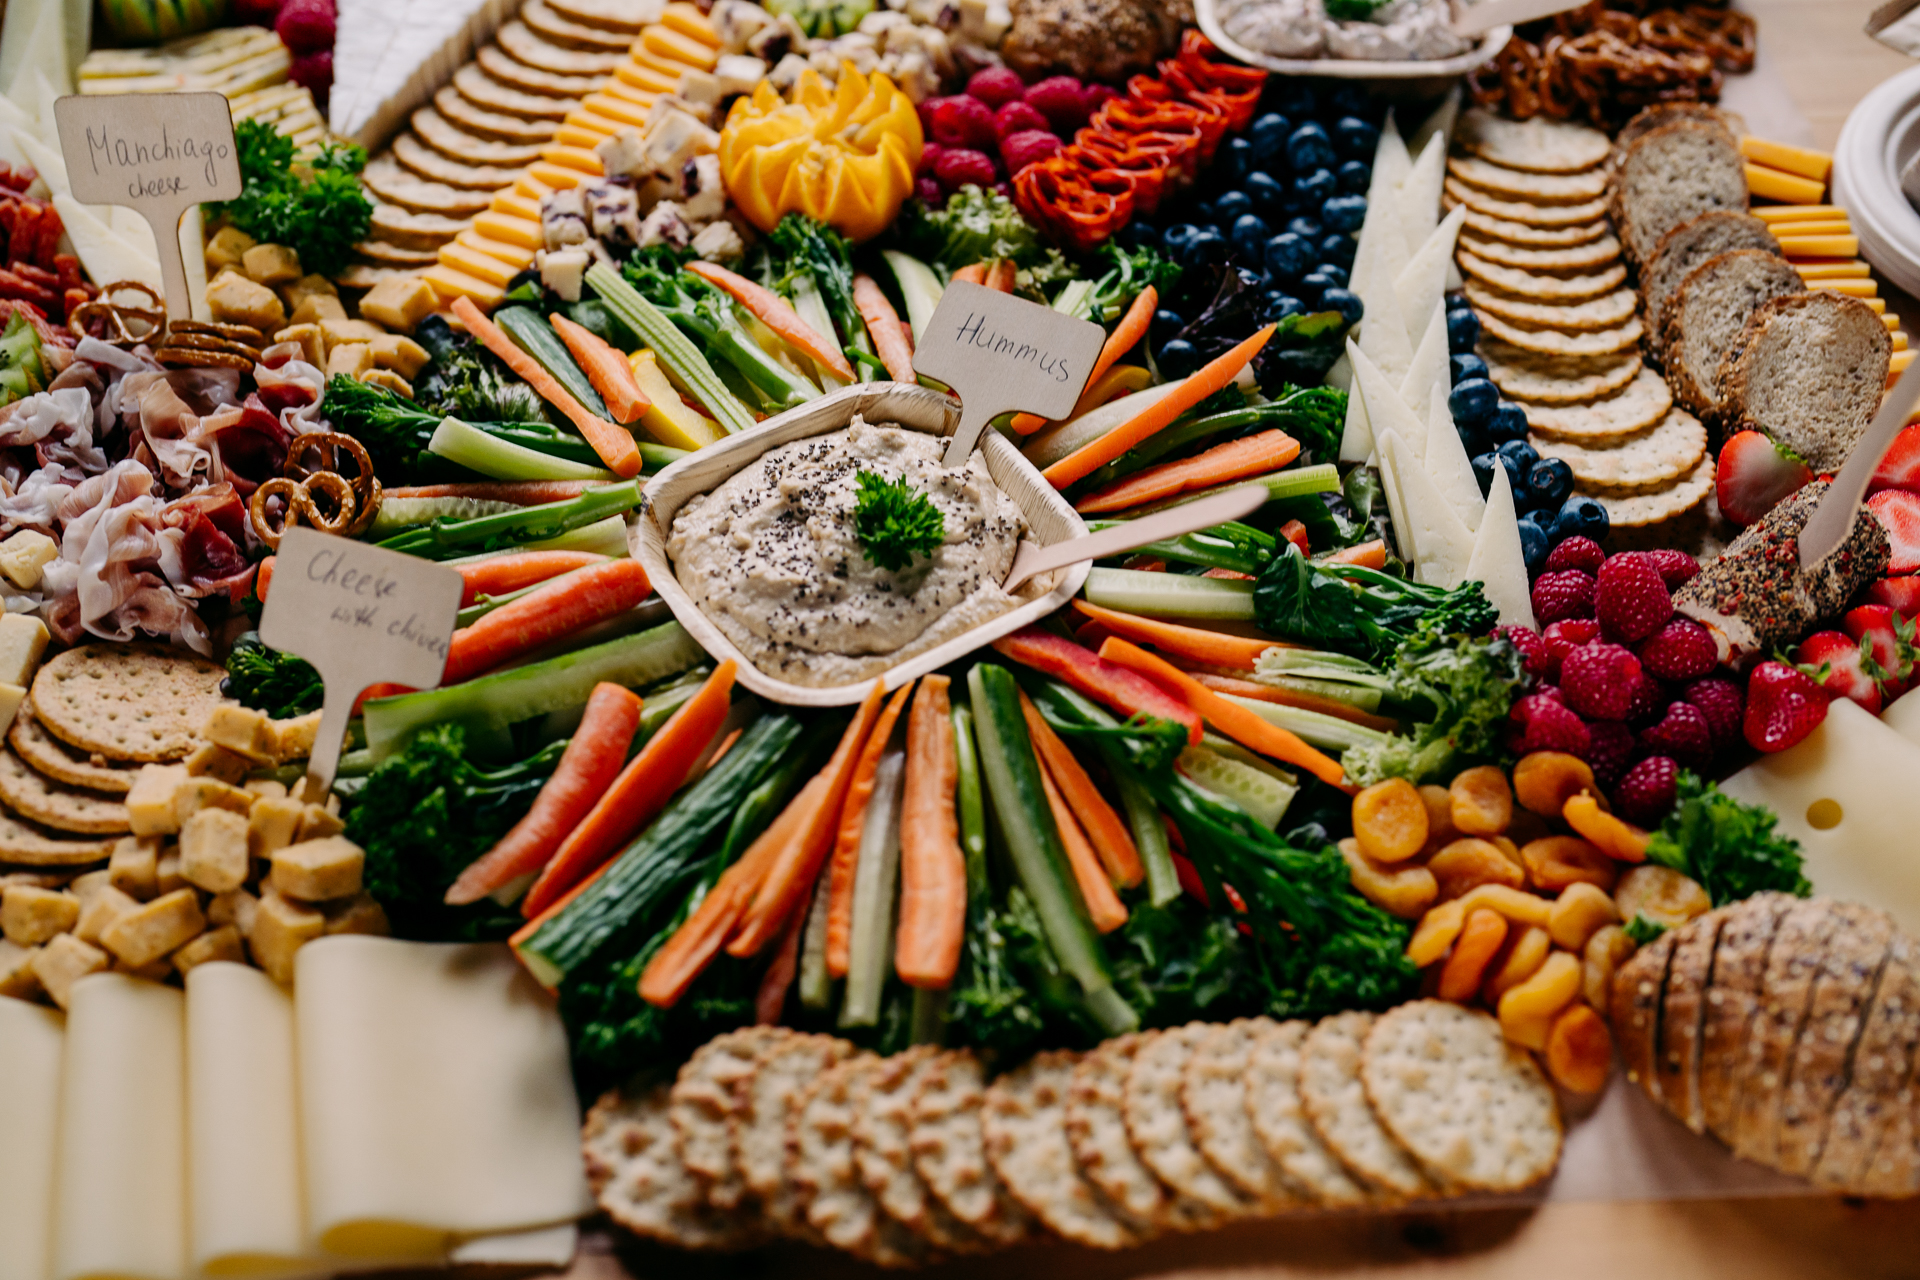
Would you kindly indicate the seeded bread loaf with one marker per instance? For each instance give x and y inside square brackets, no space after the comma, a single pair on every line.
[1666,113]
[1686,247]
[1808,370]
[1709,311]
[1670,175]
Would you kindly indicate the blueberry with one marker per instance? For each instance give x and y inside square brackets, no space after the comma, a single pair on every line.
[1230,206]
[1354,177]
[1165,324]
[1534,542]
[1334,272]
[1473,401]
[1277,304]
[1308,227]
[1508,422]
[1355,138]
[1295,97]
[1212,227]
[1297,205]
[1315,187]
[1289,255]
[1474,441]
[1266,192]
[1204,248]
[1304,366]
[1350,100]
[1580,516]
[1239,159]
[1139,234]
[1249,236]
[1483,465]
[1466,366]
[1178,234]
[1313,284]
[1549,481]
[1345,301]
[1344,213]
[1308,147]
[1463,330]
[1337,247]
[1268,136]
[1179,358]
[1518,457]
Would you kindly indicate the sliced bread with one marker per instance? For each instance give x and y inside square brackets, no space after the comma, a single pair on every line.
[1665,113]
[1671,175]
[1686,247]
[1707,313]
[1809,370]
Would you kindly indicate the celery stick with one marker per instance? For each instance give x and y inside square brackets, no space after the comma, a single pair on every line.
[1171,595]
[1330,733]
[499,459]
[816,984]
[675,350]
[875,879]
[918,286]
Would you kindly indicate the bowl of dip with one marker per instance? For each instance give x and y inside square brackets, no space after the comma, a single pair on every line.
[1432,56]
[750,542]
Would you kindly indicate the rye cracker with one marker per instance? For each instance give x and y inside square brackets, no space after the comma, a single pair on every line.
[1097,1128]
[433,166]
[1553,342]
[492,125]
[1793,962]
[1023,1119]
[54,804]
[1524,211]
[1732,999]
[1158,1126]
[885,1160]
[1881,1064]
[544,20]
[1642,403]
[820,1159]
[1539,145]
[763,1122]
[56,760]
[1526,375]
[633,1165]
[396,185]
[501,66]
[1336,1104]
[1650,458]
[1542,288]
[1836,1016]
[1489,227]
[483,91]
[949,1151]
[457,144]
[1274,1107]
[626,16]
[1213,1094]
[1517,184]
[531,49]
[127,701]
[708,1093]
[1575,257]
[1603,312]
[28,845]
[1669,502]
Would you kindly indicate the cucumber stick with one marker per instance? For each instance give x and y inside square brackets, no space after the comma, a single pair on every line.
[1171,595]
[1329,733]
[1012,777]
[675,350]
[1264,795]
[876,877]
[499,459]
[967,798]
[533,335]
[1149,835]
[816,984]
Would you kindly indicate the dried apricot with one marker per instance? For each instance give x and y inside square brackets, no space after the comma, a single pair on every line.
[1661,894]
[1480,940]
[1482,801]
[1390,821]
[1506,845]
[1440,829]
[1605,951]
[1578,913]
[1406,892]
[1435,933]
[1580,1050]
[1527,825]
[1468,863]
[1515,904]
[1521,960]
[1615,837]
[1554,862]
[1527,1009]
[1544,780]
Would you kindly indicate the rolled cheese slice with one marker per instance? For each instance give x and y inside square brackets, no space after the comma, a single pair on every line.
[31,1044]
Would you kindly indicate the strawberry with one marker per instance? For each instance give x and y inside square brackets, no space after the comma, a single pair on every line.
[1599,680]
[1753,474]
[1577,552]
[1901,594]
[1900,467]
[1887,648]
[1646,795]
[1630,597]
[1899,514]
[1784,705]
[1837,663]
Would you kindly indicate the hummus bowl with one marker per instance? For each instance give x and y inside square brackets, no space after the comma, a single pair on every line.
[1412,78]
[1049,518]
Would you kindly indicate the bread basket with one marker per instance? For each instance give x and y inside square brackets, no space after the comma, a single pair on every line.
[1049,517]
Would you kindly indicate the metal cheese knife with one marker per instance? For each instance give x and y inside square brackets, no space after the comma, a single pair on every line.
[1832,520]
[1033,559]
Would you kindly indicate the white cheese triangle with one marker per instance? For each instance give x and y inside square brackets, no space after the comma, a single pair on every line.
[1422,283]
[45,159]
[106,256]
[1356,439]
[35,40]
[47,95]
[1383,329]
[1448,465]
[1420,194]
[1340,375]
[1391,161]
[1386,411]
[1439,124]
[1429,368]
[1442,544]
[1396,506]
[1497,560]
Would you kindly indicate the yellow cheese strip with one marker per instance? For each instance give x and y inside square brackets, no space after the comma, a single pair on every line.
[514,205]
[557,176]
[1853,288]
[1830,227]
[1772,184]
[583,162]
[1819,246]
[450,283]
[476,264]
[660,64]
[1900,361]
[624,111]
[668,43]
[690,22]
[639,97]
[1804,161]
[29,1117]
[503,228]
[1892,322]
[1772,213]
[121,1191]
[1876,305]
[1899,340]
[633,74]
[530,187]
[578,134]
[1813,269]
[515,256]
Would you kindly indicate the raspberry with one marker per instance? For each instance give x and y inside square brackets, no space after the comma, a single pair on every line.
[959,121]
[1599,679]
[1680,650]
[960,167]
[306,26]
[1724,706]
[930,153]
[1062,100]
[928,189]
[1017,117]
[1610,750]
[1683,734]
[1646,700]
[1533,649]
[1645,796]
[1630,598]
[1676,567]
[1545,725]
[313,72]
[1576,552]
[1566,594]
[996,86]
[1022,149]
[1097,95]
[1562,638]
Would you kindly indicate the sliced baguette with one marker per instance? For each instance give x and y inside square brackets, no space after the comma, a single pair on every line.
[1676,1061]
[1708,312]
[1673,174]
[1686,247]
[1809,370]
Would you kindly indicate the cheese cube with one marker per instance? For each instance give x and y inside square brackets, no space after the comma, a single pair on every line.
[152,971]
[210,760]
[213,850]
[318,870]
[399,302]
[65,961]
[270,264]
[281,928]
[24,555]
[349,359]
[166,873]
[23,638]
[234,299]
[676,138]
[148,933]
[398,352]
[293,739]
[196,794]
[235,907]
[358,914]
[317,822]
[267,788]
[316,308]
[150,799]
[309,286]
[17,978]
[313,347]
[623,153]
[699,87]
[11,696]
[563,270]
[223,943]
[337,332]
[227,248]
[241,730]
[29,916]
[738,73]
[388,380]
[273,825]
[99,910]
[88,887]
[134,868]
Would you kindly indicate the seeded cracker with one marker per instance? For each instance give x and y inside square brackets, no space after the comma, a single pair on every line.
[839,1206]
[1538,145]
[1273,1104]
[1527,376]
[880,1130]
[1653,457]
[1158,1126]
[1551,342]
[1631,511]
[1097,1128]
[1488,227]
[1455,192]
[949,1152]
[626,16]
[533,50]
[1214,1096]
[1578,257]
[1643,403]
[26,845]
[1336,1103]
[1515,184]
[1607,311]
[127,701]
[633,1164]
[710,1089]
[1023,1119]
[762,1124]
[1528,284]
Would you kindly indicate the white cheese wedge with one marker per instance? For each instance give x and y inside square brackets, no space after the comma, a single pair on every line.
[1428,368]
[106,256]
[1381,229]
[193,252]
[52,166]
[34,39]
[1420,194]
[1448,465]
[1442,544]
[1383,330]
[1839,792]
[45,95]
[1386,410]
[391,55]
[1340,375]
[1422,284]
[1356,438]
[13,118]
[1903,717]
[1498,562]
[29,1116]
[1391,161]
[1396,506]
[1439,124]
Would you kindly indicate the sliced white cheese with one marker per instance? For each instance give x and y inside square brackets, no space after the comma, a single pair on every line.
[106,256]
[13,118]
[1356,438]
[45,95]
[1422,284]
[1439,124]
[1340,375]
[1396,506]
[1391,161]
[1386,411]
[29,1117]
[1428,368]
[551,1248]
[193,252]
[1498,562]
[1383,330]
[52,166]
[1448,465]
[390,56]
[1903,717]
[1442,544]
[1420,194]
[34,39]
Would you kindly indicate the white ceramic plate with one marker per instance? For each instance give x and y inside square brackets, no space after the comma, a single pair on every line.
[1880,137]
[1350,68]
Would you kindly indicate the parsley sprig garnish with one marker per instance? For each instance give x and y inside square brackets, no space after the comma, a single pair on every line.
[315,206]
[895,522]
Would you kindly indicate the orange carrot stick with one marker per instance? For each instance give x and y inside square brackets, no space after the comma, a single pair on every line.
[1095,454]
[1214,647]
[1000,275]
[778,315]
[1105,828]
[1103,904]
[1295,531]
[1235,460]
[1132,327]
[772,996]
[1232,719]
[846,844]
[561,607]
[1368,555]
[614,444]
[1288,698]
[883,322]
[605,368]
[973,273]
[933,869]
[502,574]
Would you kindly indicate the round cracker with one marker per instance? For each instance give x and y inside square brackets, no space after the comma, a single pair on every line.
[885,1160]
[1336,1104]
[433,166]
[1492,228]
[949,1151]
[1097,1128]
[1518,184]
[1213,1094]
[1529,212]
[709,1090]
[1649,458]
[140,702]
[1471,1107]
[1641,404]
[56,805]
[1158,1127]
[820,1160]
[501,66]
[760,1126]
[626,16]
[1603,312]
[396,185]
[1023,1120]
[1539,145]
[544,21]
[1523,375]
[1280,1121]
[483,91]
[1635,510]
[456,144]
[1553,342]
[1568,258]
[530,49]
[633,1164]
[1528,284]
[491,125]
[28,845]
[54,759]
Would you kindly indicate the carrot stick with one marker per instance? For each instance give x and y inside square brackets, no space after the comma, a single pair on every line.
[590,763]
[772,996]
[1103,904]
[1235,460]
[605,368]
[522,493]
[563,606]
[1105,828]
[1288,698]
[1132,327]
[846,844]
[883,322]
[1098,453]
[614,444]
[1000,275]
[1217,648]
[798,862]
[502,574]
[639,793]
[1230,718]
[778,315]
[933,870]
[1295,531]
[1368,555]
[264,578]
[975,273]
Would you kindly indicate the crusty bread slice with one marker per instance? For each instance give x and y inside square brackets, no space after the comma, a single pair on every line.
[1676,1060]
[1793,962]
[1732,999]
[1665,113]
[1823,1061]
[1809,370]
[1672,174]
[1709,311]
[1639,990]
[1686,247]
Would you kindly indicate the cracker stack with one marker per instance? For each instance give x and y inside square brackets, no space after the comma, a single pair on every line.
[769,1132]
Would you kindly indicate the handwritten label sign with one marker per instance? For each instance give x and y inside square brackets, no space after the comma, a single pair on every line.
[1003,354]
[362,616]
[159,154]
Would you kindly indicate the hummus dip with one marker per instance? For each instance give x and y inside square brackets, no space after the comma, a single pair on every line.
[772,559]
